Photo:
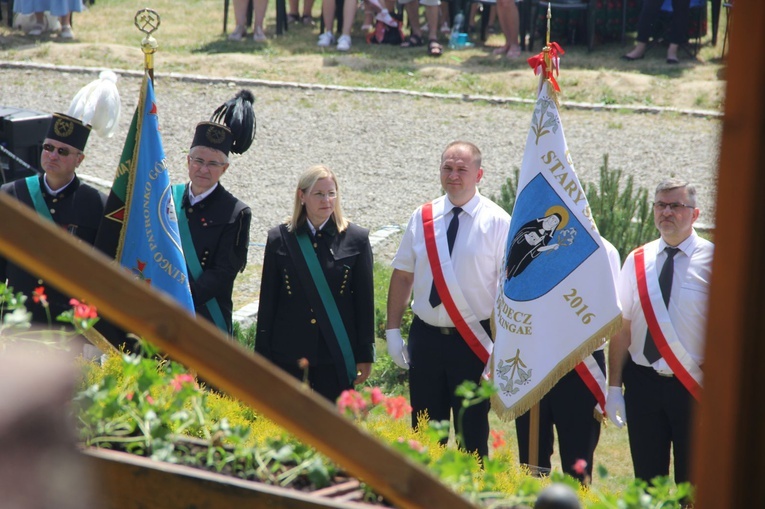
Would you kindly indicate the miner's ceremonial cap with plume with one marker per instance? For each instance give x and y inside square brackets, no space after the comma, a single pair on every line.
[231,127]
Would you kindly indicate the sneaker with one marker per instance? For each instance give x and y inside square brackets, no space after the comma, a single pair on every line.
[445,28]
[259,36]
[37,29]
[238,34]
[344,43]
[66,33]
[307,20]
[326,39]
[386,18]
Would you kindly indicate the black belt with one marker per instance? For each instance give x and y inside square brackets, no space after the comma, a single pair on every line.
[446,331]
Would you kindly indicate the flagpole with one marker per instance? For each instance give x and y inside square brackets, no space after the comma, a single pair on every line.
[148,21]
[534,411]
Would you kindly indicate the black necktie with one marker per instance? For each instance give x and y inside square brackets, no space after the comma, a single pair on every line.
[665,284]
[451,234]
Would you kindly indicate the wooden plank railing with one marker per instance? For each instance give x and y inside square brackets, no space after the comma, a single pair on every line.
[42,248]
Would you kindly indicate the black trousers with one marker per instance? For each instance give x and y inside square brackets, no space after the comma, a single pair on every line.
[438,364]
[659,411]
[322,378]
[569,406]
[678,30]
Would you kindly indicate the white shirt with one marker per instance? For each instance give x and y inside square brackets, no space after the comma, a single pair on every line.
[477,258]
[687,303]
[193,200]
[51,191]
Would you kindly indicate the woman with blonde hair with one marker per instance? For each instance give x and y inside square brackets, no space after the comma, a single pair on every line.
[316,312]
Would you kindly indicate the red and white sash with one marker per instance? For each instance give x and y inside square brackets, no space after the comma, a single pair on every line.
[660,325]
[467,324]
[593,377]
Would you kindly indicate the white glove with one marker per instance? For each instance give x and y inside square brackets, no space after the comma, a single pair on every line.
[397,348]
[615,406]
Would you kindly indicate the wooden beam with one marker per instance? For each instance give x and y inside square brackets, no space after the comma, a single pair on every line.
[43,248]
[729,463]
[126,481]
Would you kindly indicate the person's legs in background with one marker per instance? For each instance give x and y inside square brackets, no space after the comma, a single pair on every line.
[507,12]
[240,17]
[258,35]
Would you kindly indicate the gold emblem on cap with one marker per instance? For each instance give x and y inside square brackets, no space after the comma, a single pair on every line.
[63,128]
[215,135]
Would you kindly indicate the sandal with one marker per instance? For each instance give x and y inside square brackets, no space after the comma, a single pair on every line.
[307,20]
[514,52]
[435,49]
[413,41]
[293,18]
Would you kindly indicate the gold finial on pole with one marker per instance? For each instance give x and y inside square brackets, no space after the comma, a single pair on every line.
[546,49]
[148,21]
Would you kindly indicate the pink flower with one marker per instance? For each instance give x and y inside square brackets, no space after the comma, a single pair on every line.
[498,439]
[376,394]
[82,310]
[580,467]
[303,363]
[397,407]
[150,400]
[179,380]
[351,401]
[129,396]
[416,446]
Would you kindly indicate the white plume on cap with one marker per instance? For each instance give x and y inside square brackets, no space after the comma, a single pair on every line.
[98,104]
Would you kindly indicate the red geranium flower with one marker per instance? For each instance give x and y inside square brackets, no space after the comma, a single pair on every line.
[498,439]
[397,407]
[82,310]
[38,296]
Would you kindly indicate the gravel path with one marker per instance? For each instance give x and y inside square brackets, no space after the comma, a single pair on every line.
[385,148]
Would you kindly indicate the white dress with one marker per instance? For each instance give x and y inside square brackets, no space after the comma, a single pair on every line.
[55,7]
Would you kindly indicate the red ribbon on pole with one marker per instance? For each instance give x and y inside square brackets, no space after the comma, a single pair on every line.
[538,62]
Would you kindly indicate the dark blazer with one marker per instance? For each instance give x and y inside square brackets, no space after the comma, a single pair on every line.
[287,325]
[220,229]
[78,209]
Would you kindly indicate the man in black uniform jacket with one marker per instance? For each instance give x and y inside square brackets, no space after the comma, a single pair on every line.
[218,223]
[59,196]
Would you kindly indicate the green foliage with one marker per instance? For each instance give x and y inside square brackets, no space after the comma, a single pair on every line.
[245,336]
[623,217]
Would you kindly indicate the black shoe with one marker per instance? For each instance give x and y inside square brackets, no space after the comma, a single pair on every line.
[630,59]
[673,61]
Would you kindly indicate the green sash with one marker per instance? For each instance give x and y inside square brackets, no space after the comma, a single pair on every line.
[330,306]
[190,254]
[33,185]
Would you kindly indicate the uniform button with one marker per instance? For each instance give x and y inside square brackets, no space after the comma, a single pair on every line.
[315,245]
[55,200]
[52,211]
[313,320]
[202,264]
[289,287]
[190,210]
[318,234]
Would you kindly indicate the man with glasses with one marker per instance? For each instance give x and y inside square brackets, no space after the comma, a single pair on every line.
[57,195]
[663,289]
[214,224]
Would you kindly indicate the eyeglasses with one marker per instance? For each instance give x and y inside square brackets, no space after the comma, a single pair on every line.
[331,195]
[214,165]
[63,152]
[659,206]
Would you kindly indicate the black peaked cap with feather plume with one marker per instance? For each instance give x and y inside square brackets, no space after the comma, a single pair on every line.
[231,127]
